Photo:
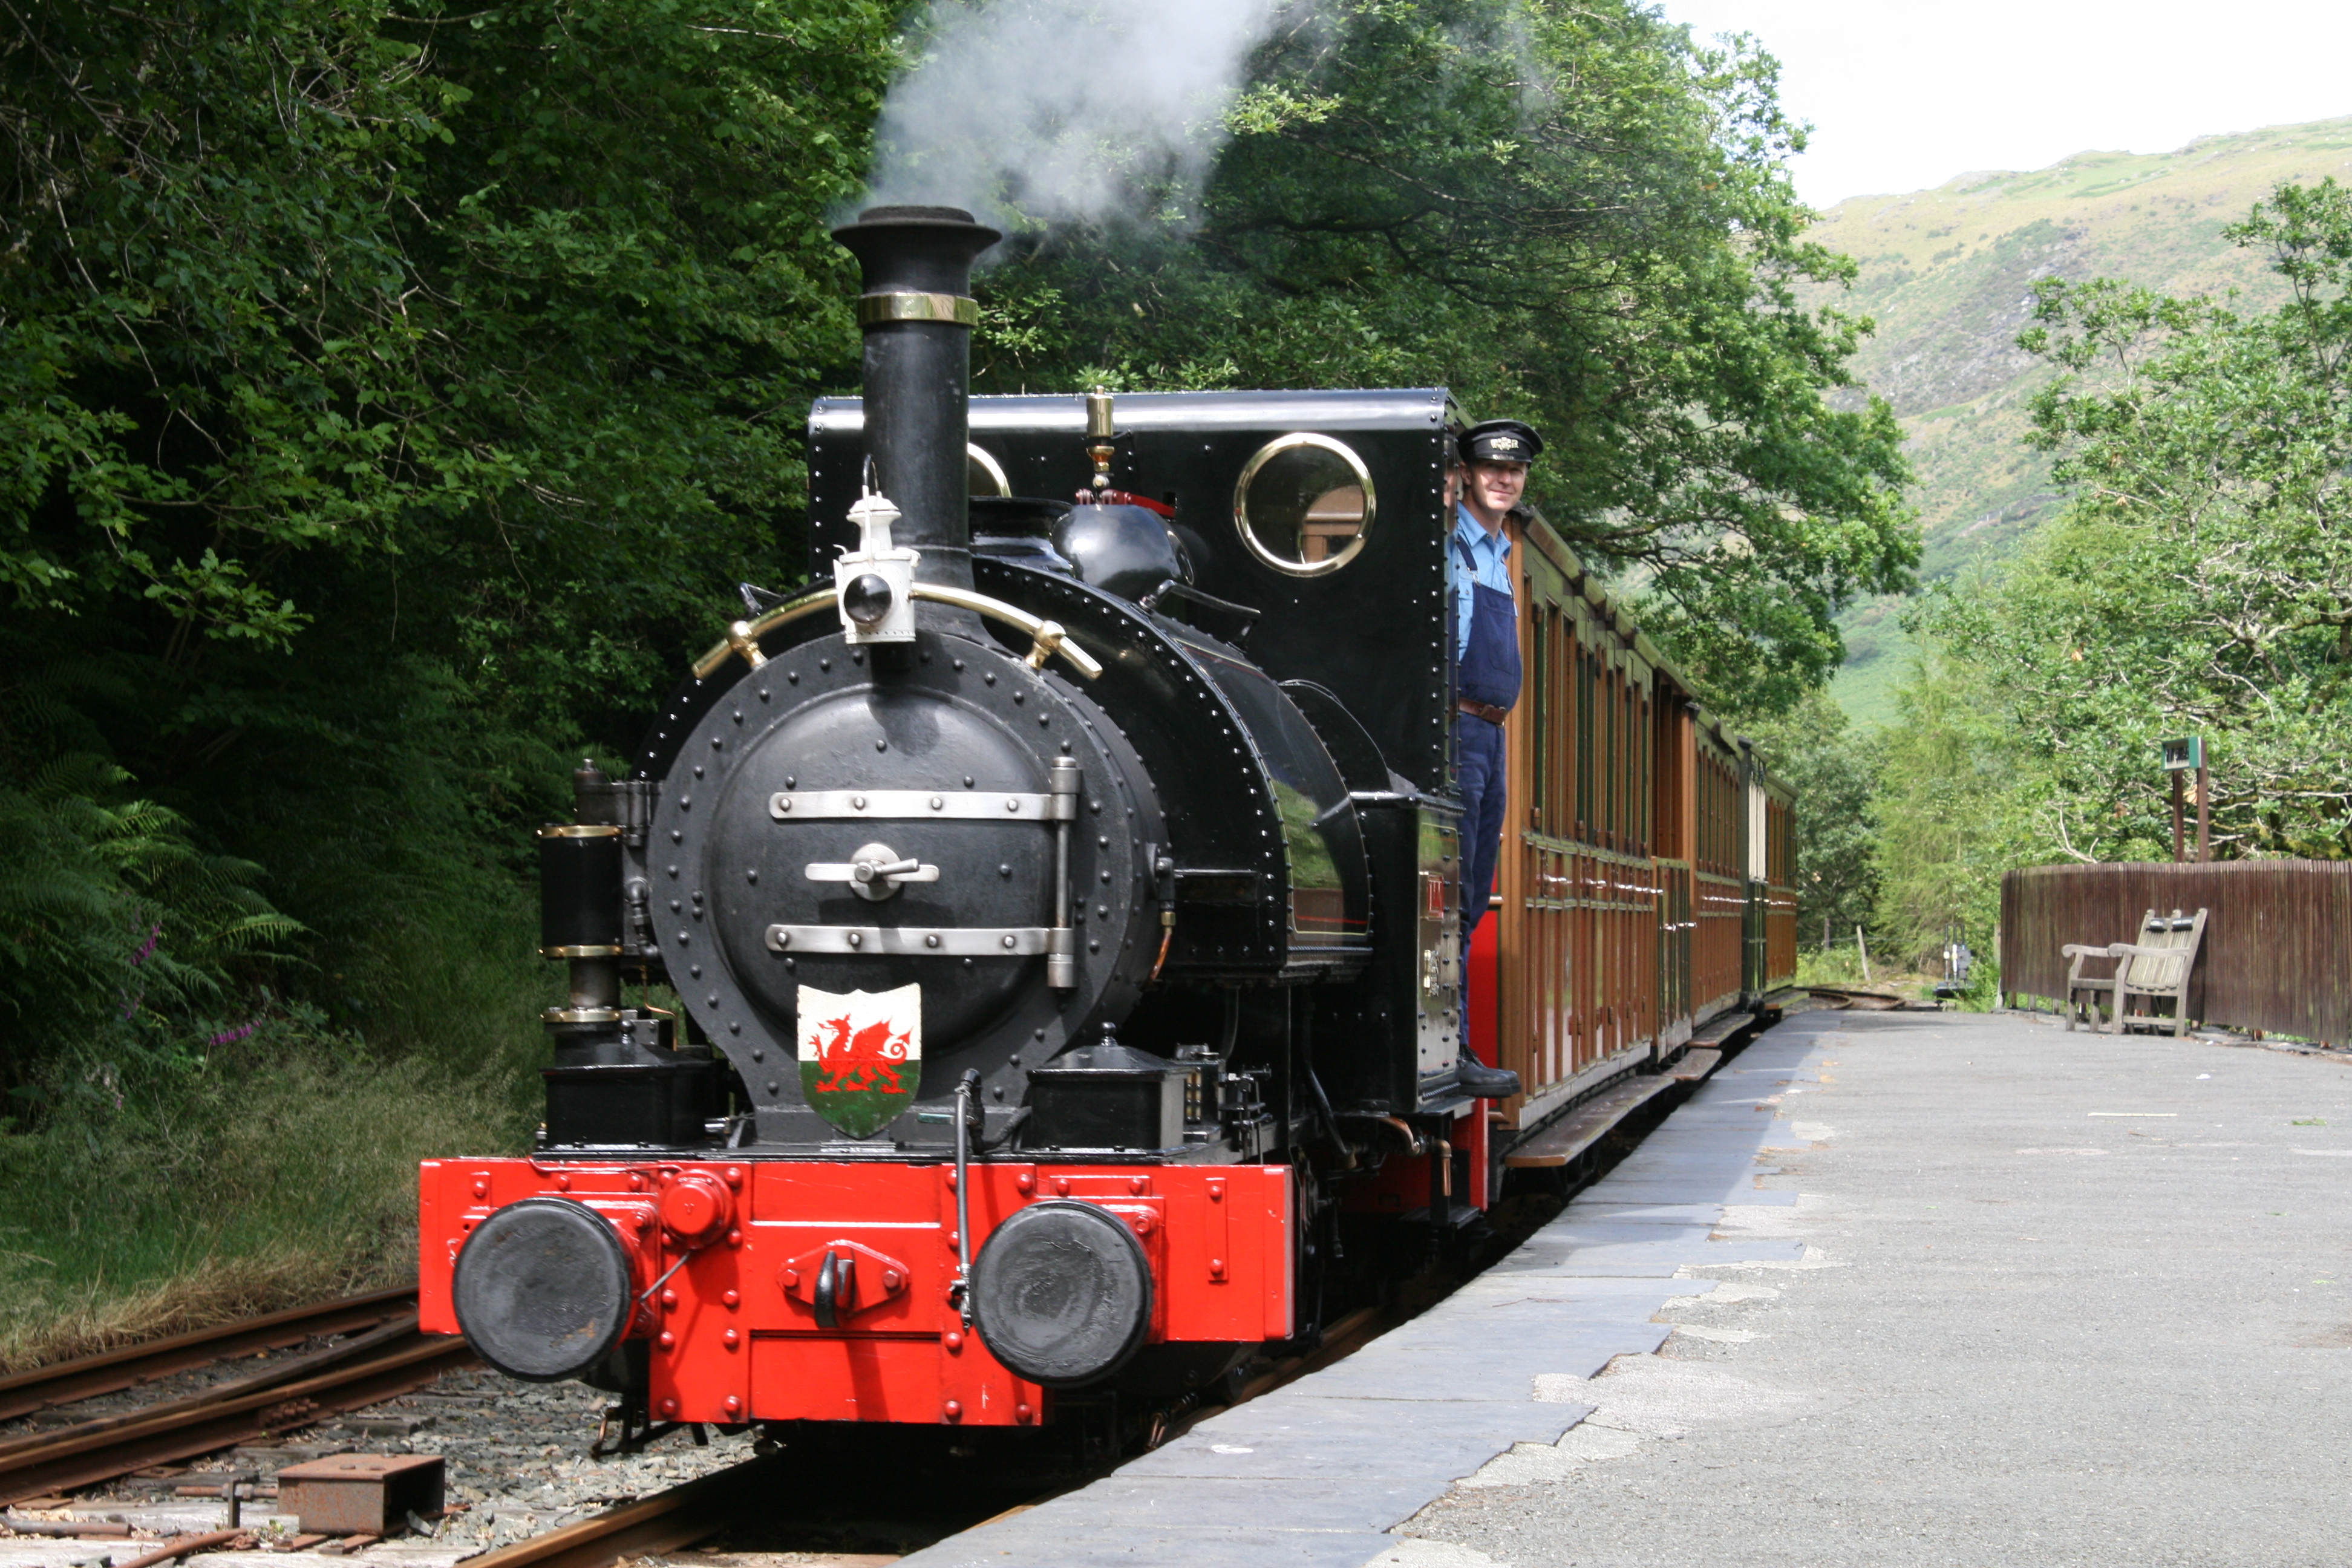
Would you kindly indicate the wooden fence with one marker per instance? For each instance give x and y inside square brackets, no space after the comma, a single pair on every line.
[2277,954]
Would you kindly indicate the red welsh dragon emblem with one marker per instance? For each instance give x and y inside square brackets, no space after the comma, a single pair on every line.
[849,1058]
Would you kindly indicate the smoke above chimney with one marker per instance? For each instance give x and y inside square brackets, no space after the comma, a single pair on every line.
[1065,111]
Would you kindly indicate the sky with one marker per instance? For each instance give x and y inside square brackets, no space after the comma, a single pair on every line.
[1904,95]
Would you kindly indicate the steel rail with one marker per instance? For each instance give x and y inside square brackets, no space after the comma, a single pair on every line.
[401,1329]
[86,1377]
[104,1449]
[650,1526]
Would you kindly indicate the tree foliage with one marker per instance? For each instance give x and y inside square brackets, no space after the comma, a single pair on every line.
[1834,769]
[1567,215]
[393,395]
[2200,579]
[2199,582]
[519,301]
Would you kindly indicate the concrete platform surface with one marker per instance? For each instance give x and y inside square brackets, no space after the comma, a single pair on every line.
[2064,1298]
[1891,1288]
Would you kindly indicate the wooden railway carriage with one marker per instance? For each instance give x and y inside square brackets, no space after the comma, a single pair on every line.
[1061,907]
[1644,887]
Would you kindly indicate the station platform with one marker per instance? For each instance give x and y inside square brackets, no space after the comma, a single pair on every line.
[1890,1288]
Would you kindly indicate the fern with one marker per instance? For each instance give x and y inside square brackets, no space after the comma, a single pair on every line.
[118,932]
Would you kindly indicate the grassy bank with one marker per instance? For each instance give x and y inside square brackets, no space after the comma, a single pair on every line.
[284,1175]
[273,1161]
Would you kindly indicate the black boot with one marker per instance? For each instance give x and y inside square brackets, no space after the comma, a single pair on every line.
[1480,1081]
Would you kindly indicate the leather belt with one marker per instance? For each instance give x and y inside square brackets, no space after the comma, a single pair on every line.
[1492,712]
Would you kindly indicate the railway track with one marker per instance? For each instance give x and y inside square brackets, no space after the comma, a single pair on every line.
[386,1358]
[89,1378]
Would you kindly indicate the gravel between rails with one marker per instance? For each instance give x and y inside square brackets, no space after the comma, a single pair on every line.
[517,1466]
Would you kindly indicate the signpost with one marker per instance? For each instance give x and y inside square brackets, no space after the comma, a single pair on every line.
[2182,756]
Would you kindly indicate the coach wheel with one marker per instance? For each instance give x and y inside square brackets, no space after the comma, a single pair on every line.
[1062,1294]
[542,1289]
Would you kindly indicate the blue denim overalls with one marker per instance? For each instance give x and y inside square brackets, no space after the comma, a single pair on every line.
[1489,673]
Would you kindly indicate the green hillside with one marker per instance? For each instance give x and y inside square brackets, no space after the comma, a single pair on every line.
[1948,275]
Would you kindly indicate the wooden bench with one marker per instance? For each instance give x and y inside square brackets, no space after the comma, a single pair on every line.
[2157,964]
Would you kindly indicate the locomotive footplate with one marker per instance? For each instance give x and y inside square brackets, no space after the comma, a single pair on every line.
[766,1289]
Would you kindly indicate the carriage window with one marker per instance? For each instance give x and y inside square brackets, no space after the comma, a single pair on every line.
[1304,504]
[983,474]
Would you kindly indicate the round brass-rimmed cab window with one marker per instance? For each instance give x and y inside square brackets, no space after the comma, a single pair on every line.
[983,474]
[1304,504]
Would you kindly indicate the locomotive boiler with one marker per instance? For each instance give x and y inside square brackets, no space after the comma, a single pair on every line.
[1059,901]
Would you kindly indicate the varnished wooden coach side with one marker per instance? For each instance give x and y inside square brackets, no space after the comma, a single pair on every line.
[1623,918]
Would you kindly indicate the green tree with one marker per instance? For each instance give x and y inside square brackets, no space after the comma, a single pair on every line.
[2200,578]
[394,396]
[1835,770]
[1567,213]
[1958,803]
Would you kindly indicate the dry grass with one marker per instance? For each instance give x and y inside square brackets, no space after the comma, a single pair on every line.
[94,1318]
[286,1179]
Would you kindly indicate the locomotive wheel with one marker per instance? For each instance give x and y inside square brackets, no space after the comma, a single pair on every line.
[1062,1294]
[542,1289]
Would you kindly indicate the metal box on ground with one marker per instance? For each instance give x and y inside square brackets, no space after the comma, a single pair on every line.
[361,1494]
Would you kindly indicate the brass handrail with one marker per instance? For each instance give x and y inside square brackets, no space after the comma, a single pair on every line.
[1048,638]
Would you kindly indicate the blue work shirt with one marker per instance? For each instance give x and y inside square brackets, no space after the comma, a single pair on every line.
[1492,553]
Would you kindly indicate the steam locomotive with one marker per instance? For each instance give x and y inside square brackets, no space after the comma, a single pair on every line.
[1061,906]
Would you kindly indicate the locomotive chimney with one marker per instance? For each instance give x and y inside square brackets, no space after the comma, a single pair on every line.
[916,314]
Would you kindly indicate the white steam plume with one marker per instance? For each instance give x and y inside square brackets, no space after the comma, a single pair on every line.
[1062,108]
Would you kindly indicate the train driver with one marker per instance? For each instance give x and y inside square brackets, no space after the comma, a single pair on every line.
[1494,456]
